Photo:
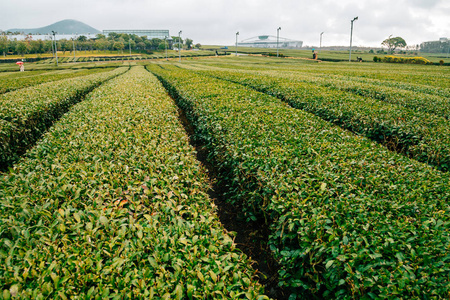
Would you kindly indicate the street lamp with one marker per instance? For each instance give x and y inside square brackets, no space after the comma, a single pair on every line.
[237,33]
[179,44]
[448,47]
[165,46]
[73,44]
[129,44]
[278,37]
[53,46]
[320,46]
[56,50]
[351,34]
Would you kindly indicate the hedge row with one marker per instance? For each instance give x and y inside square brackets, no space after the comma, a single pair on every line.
[29,112]
[14,83]
[423,102]
[112,204]
[422,136]
[425,76]
[417,97]
[371,82]
[406,60]
[348,218]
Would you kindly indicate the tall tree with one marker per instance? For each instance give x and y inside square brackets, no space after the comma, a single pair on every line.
[189,43]
[22,47]
[175,40]
[118,46]
[4,44]
[394,43]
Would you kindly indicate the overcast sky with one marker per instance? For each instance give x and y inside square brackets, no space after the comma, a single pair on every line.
[216,21]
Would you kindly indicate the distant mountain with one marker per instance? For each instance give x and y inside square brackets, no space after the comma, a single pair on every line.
[61,27]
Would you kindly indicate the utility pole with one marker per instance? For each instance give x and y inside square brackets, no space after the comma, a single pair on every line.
[278,37]
[179,44]
[351,35]
[165,46]
[53,46]
[320,46]
[73,44]
[56,48]
[237,33]
[129,44]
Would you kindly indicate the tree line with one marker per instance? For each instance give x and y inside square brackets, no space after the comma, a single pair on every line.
[112,42]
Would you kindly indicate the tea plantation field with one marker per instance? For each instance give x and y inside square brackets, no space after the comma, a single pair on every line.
[103,194]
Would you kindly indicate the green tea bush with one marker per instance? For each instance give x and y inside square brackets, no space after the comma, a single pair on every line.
[112,204]
[29,112]
[347,217]
[15,81]
[420,128]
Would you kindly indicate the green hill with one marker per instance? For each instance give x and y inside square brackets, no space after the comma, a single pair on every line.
[61,27]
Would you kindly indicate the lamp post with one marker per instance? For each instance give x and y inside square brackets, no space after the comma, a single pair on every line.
[237,33]
[73,44]
[179,44]
[56,49]
[129,44]
[165,46]
[351,35]
[4,50]
[448,47]
[278,37]
[320,46]
[53,46]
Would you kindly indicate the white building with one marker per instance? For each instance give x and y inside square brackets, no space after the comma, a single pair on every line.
[270,41]
[149,33]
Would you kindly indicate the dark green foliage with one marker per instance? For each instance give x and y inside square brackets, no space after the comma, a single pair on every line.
[413,123]
[348,218]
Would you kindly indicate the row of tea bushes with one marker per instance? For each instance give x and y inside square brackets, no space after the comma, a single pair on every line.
[428,98]
[417,101]
[412,87]
[112,204]
[427,76]
[15,74]
[11,83]
[422,136]
[29,112]
[348,218]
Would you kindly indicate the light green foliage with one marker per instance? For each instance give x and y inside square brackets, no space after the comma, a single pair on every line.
[29,112]
[413,122]
[21,80]
[111,203]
